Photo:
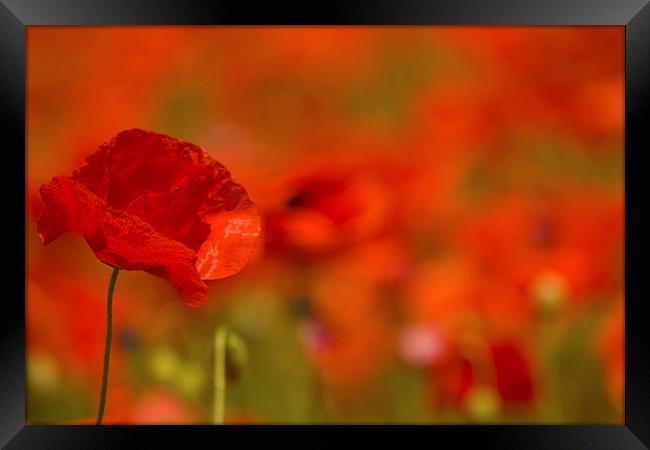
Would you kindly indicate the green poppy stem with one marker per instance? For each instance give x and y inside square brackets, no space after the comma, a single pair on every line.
[219,400]
[107,349]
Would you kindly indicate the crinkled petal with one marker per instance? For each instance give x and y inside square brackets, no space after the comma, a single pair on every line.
[136,162]
[67,208]
[233,239]
[175,213]
[118,238]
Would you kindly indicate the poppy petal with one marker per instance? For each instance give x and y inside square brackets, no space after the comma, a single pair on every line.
[118,238]
[175,213]
[136,162]
[233,239]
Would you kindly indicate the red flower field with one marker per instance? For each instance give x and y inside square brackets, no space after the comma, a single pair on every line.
[400,224]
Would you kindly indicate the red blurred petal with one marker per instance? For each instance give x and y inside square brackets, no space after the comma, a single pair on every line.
[513,374]
[453,380]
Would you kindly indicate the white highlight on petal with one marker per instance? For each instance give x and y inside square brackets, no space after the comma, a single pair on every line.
[208,260]
[233,239]
[235,227]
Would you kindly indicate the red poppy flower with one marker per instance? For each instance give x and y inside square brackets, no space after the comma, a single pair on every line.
[146,201]
[512,375]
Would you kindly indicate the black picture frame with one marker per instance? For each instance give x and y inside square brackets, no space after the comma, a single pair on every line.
[634,15]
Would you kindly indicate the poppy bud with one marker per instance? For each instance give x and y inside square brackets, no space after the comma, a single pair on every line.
[549,292]
[236,356]
[43,373]
[483,403]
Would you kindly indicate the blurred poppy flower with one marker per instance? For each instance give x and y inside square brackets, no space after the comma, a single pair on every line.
[326,206]
[498,365]
[157,406]
[576,239]
[513,374]
[452,381]
[162,407]
[442,292]
[146,201]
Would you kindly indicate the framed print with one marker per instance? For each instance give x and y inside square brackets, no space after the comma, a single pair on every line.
[393,220]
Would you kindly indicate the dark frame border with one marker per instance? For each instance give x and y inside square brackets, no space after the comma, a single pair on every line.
[15,15]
